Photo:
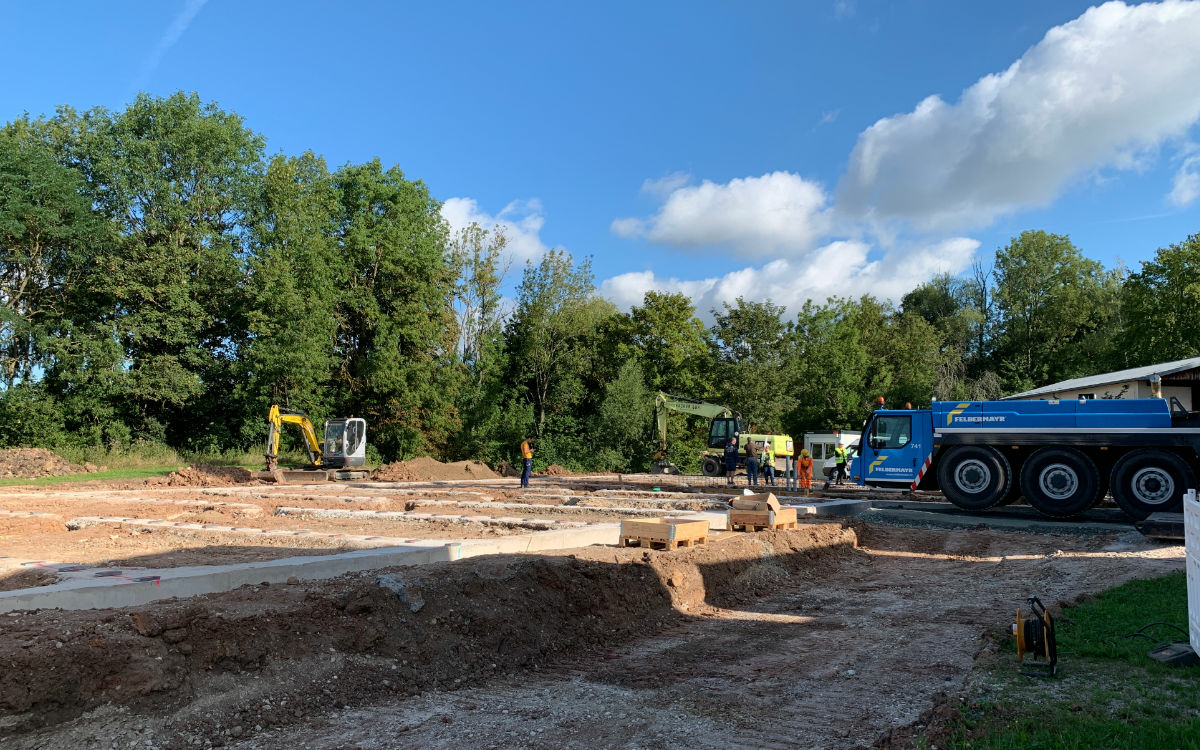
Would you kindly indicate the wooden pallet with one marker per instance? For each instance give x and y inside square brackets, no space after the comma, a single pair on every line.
[671,533]
[762,520]
[660,544]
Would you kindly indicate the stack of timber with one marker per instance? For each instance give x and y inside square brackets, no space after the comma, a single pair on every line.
[668,533]
[759,512]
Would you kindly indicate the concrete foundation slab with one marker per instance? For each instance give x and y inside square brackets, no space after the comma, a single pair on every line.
[127,587]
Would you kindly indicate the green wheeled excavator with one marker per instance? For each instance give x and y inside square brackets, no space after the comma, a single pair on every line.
[723,424]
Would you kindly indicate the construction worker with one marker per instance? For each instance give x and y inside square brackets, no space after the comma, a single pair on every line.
[526,460]
[731,453]
[839,464]
[806,464]
[751,463]
[768,463]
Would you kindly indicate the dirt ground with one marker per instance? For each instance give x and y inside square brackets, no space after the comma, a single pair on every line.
[32,463]
[825,637]
[60,534]
[426,469]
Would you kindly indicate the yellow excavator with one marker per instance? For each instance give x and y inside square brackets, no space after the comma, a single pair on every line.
[723,424]
[344,446]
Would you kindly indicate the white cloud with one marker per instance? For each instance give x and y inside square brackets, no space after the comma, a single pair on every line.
[521,221]
[1104,90]
[178,26]
[842,268]
[1187,180]
[779,212]
[664,186]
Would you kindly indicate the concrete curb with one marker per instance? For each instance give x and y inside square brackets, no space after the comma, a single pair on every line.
[116,590]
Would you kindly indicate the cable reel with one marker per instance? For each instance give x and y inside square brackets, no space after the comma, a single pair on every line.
[1034,631]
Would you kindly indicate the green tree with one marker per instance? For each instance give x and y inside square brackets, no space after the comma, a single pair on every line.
[749,340]
[1161,306]
[176,176]
[292,294]
[1051,304]
[48,235]
[397,332]
[556,312]
[624,423]
[671,344]
[827,365]
[480,312]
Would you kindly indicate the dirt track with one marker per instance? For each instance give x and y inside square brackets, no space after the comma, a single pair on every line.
[823,637]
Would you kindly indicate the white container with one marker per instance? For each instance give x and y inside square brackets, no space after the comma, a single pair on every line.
[1191,524]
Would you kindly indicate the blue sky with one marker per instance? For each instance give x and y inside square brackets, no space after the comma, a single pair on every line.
[784,150]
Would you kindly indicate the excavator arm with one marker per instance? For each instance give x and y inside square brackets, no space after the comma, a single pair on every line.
[664,402]
[276,419]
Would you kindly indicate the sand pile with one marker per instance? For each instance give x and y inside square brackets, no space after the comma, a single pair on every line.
[31,463]
[426,469]
[505,469]
[554,470]
[206,475]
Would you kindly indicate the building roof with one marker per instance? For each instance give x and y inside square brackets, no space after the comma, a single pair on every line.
[1137,373]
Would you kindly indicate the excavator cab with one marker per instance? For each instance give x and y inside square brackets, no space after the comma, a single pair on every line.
[345,443]
[720,429]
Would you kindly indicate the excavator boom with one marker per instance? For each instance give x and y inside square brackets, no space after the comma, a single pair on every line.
[664,402]
[276,419]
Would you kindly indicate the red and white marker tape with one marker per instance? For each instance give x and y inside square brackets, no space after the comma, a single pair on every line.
[921,473]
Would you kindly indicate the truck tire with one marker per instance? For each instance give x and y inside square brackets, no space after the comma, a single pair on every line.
[1151,480]
[711,467]
[1012,496]
[974,477]
[1060,482]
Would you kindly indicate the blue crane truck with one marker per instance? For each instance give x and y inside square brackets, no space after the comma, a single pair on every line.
[1062,456]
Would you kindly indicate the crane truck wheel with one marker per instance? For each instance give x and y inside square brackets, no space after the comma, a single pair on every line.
[711,467]
[1060,482]
[1012,496]
[1151,480]
[974,477]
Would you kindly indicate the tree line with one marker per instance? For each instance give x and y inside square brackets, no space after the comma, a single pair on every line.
[164,280]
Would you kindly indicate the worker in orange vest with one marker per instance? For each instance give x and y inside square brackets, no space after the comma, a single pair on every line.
[806,464]
[526,460]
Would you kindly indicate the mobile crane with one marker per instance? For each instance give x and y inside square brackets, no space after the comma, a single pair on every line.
[344,446]
[723,424]
[1061,455]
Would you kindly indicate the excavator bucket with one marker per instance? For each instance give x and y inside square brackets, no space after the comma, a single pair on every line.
[294,476]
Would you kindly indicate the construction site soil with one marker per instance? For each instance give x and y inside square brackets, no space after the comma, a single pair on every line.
[837,635]
[33,463]
[205,475]
[428,469]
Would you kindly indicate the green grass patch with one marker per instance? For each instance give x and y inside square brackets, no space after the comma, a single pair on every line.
[141,472]
[1108,693]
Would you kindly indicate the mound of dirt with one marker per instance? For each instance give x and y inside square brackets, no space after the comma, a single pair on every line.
[426,627]
[426,469]
[31,463]
[505,469]
[554,470]
[206,475]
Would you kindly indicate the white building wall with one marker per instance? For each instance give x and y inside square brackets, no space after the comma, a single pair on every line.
[1128,389]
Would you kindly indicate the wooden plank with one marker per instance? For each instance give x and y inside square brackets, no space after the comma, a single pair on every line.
[1162,526]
